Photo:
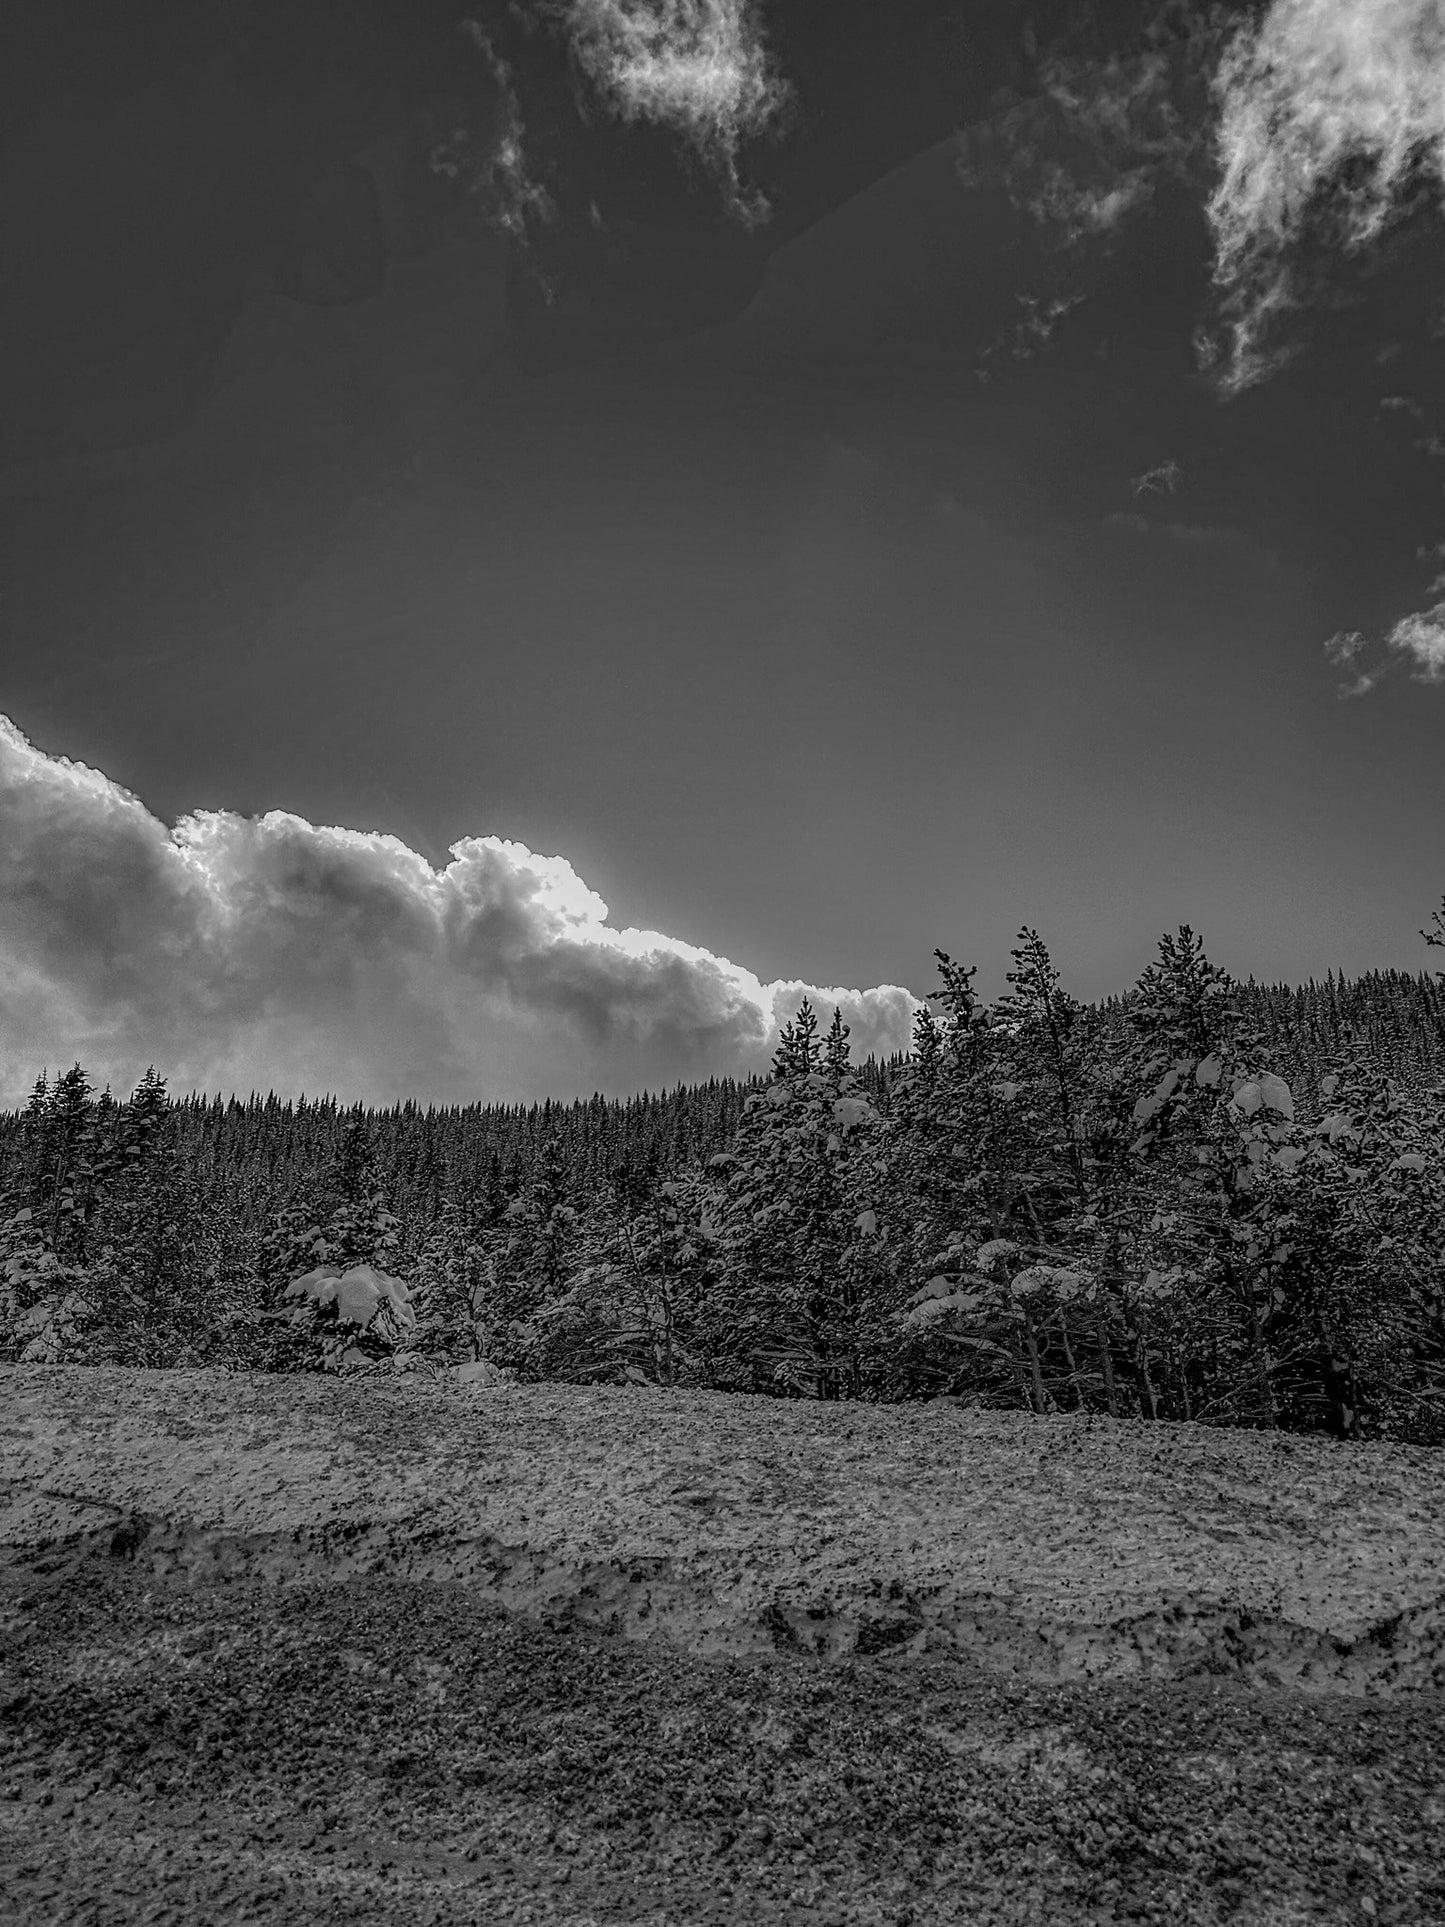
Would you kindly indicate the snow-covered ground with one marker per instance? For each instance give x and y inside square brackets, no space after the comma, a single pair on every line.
[1055,1548]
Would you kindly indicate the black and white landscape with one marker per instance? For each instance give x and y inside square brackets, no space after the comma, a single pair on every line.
[720,752]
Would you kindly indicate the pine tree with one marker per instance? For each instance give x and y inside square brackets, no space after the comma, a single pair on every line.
[332,1273]
[171,1282]
[464,1312]
[1013,1100]
[1216,1124]
[800,1219]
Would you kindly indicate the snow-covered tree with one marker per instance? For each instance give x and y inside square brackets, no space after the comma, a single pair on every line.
[810,1275]
[330,1265]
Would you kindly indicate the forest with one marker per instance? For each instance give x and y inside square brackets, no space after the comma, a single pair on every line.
[1204,1199]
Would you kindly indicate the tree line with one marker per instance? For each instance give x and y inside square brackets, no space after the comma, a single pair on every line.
[1203,1200]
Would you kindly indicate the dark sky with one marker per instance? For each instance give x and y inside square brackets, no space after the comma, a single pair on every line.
[815,483]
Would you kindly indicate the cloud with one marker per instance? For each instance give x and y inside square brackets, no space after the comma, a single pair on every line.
[697,66]
[264,952]
[1040,318]
[495,169]
[1323,106]
[1201,534]
[1418,639]
[1085,152]
[1165,475]
[1031,334]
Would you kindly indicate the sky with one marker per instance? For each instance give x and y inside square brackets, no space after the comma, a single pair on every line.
[535,537]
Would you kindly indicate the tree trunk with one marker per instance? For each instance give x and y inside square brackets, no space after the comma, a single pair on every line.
[1106,1360]
[1146,1384]
[1073,1367]
[666,1333]
[1036,1374]
[1263,1355]
[1342,1391]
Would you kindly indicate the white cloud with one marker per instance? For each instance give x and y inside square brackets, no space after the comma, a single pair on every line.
[1311,87]
[1040,318]
[1082,210]
[495,169]
[1084,153]
[1344,650]
[236,952]
[1418,639]
[1421,639]
[697,66]
[1164,475]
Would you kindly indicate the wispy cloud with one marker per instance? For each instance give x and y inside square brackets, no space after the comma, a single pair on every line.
[1041,316]
[1403,404]
[1083,154]
[1084,151]
[1198,534]
[1324,107]
[1031,334]
[698,66]
[1165,475]
[495,169]
[1417,639]
[238,952]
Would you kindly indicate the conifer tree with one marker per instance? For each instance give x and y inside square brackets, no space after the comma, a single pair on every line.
[332,1273]
[800,1196]
[170,1281]
[463,1311]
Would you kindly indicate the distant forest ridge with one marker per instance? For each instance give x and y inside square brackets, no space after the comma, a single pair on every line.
[1389,1019]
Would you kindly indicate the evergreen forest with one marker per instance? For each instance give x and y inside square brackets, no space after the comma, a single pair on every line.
[1204,1199]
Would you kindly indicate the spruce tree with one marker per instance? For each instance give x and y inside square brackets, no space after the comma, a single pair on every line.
[800,1198]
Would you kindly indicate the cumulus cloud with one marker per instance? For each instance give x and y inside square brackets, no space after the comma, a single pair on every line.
[699,67]
[1417,639]
[1323,106]
[264,952]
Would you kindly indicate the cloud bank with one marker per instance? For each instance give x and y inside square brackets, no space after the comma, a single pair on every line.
[240,953]
[1324,106]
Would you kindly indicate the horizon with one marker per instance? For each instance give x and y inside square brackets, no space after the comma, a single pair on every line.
[1428,978]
